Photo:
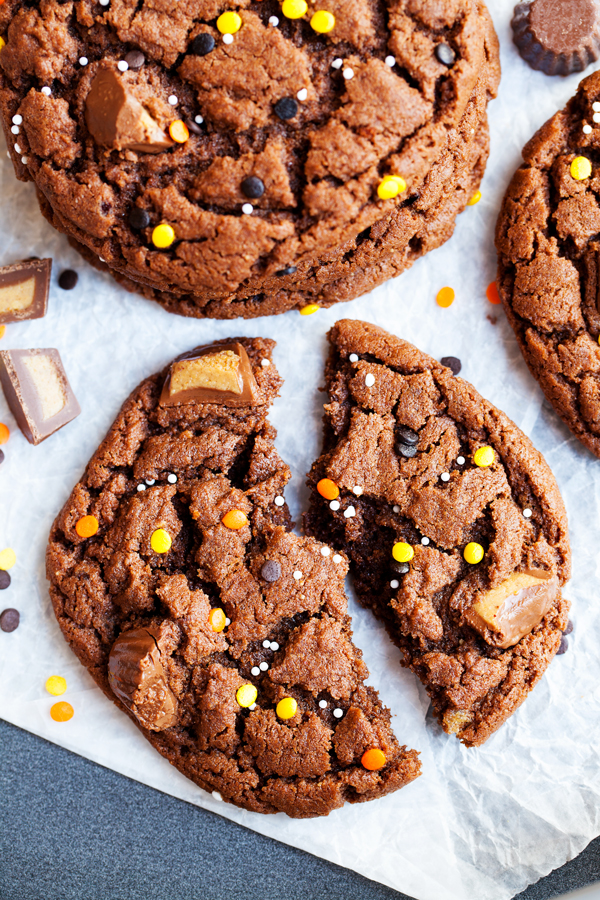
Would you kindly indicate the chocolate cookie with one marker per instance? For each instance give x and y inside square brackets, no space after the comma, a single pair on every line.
[453,523]
[548,253]
[250,162]
[176,580]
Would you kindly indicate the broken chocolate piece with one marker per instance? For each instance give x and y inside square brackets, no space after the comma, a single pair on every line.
[557,37]
[137,678]
[514,608]
[37,391]
[24,290]
[117,119]
[218,373]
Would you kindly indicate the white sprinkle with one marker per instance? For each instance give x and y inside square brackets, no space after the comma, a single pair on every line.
[337,63]
[263,666]
[460,460]
[141,487]
[370,380]
[338,713]
[266,644]
[302,94]
[252,707]
[357,490]
[596,106]
[424,541]
[297,574]
[337,558]
[265,363]
[527,513]
[353,357]
[596,117]
[255,671]
[198,120]
[274,646]
[325,551]
[15,129]
[46,91]
[274,21]
[83,60]
[390,61]
[104,2]
[445,476]
[350,512]
[18,120]
[172,100]
[396,509]
[247,209]
[348,74]
[228,39]
[394,583]
[334,505]
[587,129]
[24,160]
[323,704]
[101,259]
[18,149]
[122,66]
[217,795]
[279,501]
[150,480]
[228,621]
[172,479]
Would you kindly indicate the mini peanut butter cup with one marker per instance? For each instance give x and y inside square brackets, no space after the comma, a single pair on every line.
[557,37]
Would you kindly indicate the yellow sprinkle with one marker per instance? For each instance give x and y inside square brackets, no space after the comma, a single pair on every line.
[163,236]
[294,9]
[310,309]
[2,43]
[62,711]
[473,553]
[322,21]
[56,685]
[581,168]
[402,552]
[160,541]
[246,695]
[445,297]
[484,457]
[229,22]
[390,186]
[474,199]
[286,708]
[2,330]
[7,558]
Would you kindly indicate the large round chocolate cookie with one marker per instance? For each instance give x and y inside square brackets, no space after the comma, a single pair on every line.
[176,580]
[548,245]
[268,149]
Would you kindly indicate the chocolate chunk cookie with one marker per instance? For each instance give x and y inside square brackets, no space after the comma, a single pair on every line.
[176,580]
[247,162]
[453,523]
[548,260]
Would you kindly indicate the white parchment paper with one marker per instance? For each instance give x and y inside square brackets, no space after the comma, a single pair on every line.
[479,823]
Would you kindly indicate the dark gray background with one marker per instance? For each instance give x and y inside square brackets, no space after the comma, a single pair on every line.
[71,830]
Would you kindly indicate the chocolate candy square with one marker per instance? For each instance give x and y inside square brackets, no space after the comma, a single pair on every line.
[38,392]
[24,290]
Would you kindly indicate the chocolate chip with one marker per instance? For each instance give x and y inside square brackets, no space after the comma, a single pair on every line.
[270,571]
[406,450]
[286,108]
[407,435]
[445,54]
[9,620]
[193,126]
[569,628]
[252,187]
[1,456]
[68,279]
[564,646]
[287,271]
[4,580]
[138,218]
[202,44]
[400,568]
[453,363]
[135,59]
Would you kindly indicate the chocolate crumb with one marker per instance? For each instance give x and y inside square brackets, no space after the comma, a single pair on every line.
[406,450]
[453,363]
[135,59]
[286,108]
[492,319]
[202,44]
[407,435]
[138,218]
[68,279]
[270,571]
[252,187]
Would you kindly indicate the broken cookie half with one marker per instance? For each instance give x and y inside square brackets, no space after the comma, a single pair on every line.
[221,633]
[452,521]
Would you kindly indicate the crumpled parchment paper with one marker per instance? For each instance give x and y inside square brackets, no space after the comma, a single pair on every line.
[479,823]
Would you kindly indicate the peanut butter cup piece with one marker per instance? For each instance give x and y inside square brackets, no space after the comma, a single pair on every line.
[137,678]
[557,37]
[214,374]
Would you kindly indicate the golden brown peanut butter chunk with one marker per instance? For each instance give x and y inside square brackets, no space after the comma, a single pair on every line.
[222,376]
[24,288]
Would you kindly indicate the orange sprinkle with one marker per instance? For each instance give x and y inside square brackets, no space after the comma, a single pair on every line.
[492,293]
[445,297]
[4,433]
[328,489]
[217,619]
[373,759]
[235,519]
[179,131]
[2,327]
[62,711]
[87,526]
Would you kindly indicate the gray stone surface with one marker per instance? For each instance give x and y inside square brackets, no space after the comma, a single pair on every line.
[71,830]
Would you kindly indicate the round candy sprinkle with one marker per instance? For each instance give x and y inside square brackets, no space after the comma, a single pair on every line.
[286,708]
[492,293]
[322,21]
[247,209]
[228,39]
[402,552]
[150,480]
[235,519]
[87,526]
[179,131]
[265,362]
[9,620]
[141,487]
[246,695]
[2,43]
[337,63]
[172,100]
[216,619]
[255,671]
[68,279]
[56,685]
[263,666]
[460,460]
[325,551]
[138,218]
[17,120]
[338,713]
[390,61]
[587,129]
[390,186]
[563,646]
[122,66]
[373,759]
[171,478]
[473,553]
[353,357]
[46,91]
[160,541]
[334,505]
[581,168]
[5,580]
[445,54]
[4,433]
[83,60]
[350,512]
[527,513]
[274,646]
[445,476]
[328,489]
[337,558]
[302,94]
[453,363]
[270,571]
[278,501]
[202,44]
[267,645]
[7,558]
[425,541]
[474,199]
[163,236]
[286,108]
[216,795]
[310,309]
[394,583]
[274,21]
[445,297]
[357,490]
[294,9]
[484,457]
[400,568]
[323,704]
[297,575]
[252,187]
[135,59]
[396,509]
[348,74]
[62,711]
